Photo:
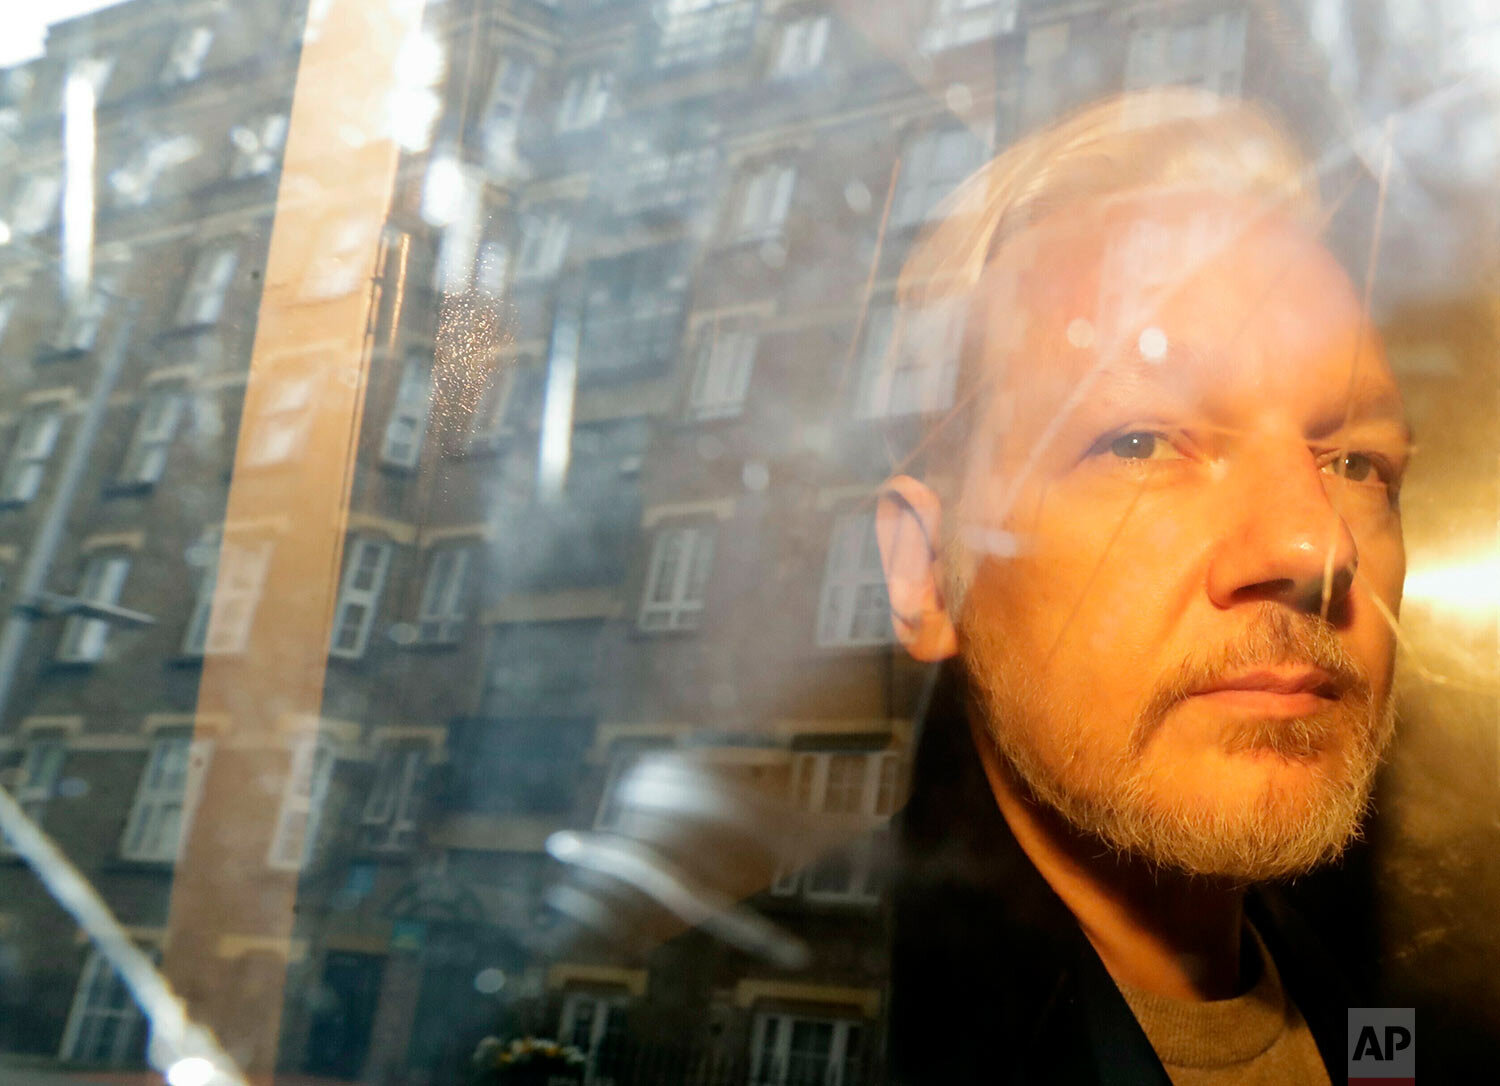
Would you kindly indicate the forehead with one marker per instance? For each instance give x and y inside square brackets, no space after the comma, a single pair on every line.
[1200,299]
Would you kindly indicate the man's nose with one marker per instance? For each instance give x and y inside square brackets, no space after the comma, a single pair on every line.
[1286,542]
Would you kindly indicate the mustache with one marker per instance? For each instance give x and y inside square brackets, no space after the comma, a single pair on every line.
[1276,637]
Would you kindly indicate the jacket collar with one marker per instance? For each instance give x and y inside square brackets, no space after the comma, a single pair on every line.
[992,979]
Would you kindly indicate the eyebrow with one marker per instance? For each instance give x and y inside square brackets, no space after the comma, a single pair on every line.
[1182,370]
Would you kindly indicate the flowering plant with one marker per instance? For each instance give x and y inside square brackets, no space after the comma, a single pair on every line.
[526,1060]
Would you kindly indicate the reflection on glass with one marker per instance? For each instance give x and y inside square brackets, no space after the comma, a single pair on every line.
[439,547]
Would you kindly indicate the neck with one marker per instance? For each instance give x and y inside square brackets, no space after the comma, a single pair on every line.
[1167,933]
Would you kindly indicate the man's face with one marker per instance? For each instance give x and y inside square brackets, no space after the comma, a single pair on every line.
[1183,638]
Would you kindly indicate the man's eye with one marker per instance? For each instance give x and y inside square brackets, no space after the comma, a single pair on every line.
[1140,445]
[1356,467]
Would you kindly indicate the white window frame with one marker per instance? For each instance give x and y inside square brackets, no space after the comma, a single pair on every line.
[585,99]
[721,375]
[303,796]
[229,591]
[780,1028]
[927,174]
[694,31]
[853,584]
[488,421]
[877,794]
[147,837]
[801,46]
[666,179]
[42,759]
[36,203]
[282,420]
[84,637]
[1218,67]
[7,310]
[677,578]
[185,58]
[602,1007]
[909,361]
[504,108]
[79,329]
[366,560]
[207,286]
[764,202]
[36,441]
[960,22]
[133,182]
[389,815]
[441,613]
[543,245]
[257,148]
[406,427]
[99,983]
[156,425]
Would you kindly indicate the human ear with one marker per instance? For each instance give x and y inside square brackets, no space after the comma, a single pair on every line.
[907,517]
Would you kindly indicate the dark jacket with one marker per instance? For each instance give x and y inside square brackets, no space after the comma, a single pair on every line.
[992,980]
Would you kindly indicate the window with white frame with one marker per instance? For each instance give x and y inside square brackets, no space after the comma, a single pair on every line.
[133,183]
[666,179]
[514,389]
[630,761]
[837,782]
[959,22]
[255,149]
[407,425]
[933,165]
[36,778]
[389,819]
[7,310]
[502,112]
[301,811]
[677,578]
[492,268]
[207,285]
[84,636]
[1207,53]
[185,58]
[366,561]
[35,203]
[594,1023]
[79,329]
[105,1028]
[792,1050]
[697,31]
[544,244]
[281,421]
[721,375]
[440,616]
[853,608]
[585,99]
[229,591]
[860,785]
[764,202]
[632,318]
[36,440]
[165,798]
[800,48]
[909,362]
[155,426]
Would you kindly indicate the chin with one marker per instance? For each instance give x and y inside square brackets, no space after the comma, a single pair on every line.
[1274,818]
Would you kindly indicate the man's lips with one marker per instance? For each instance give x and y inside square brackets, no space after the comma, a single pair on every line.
[1272,692]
